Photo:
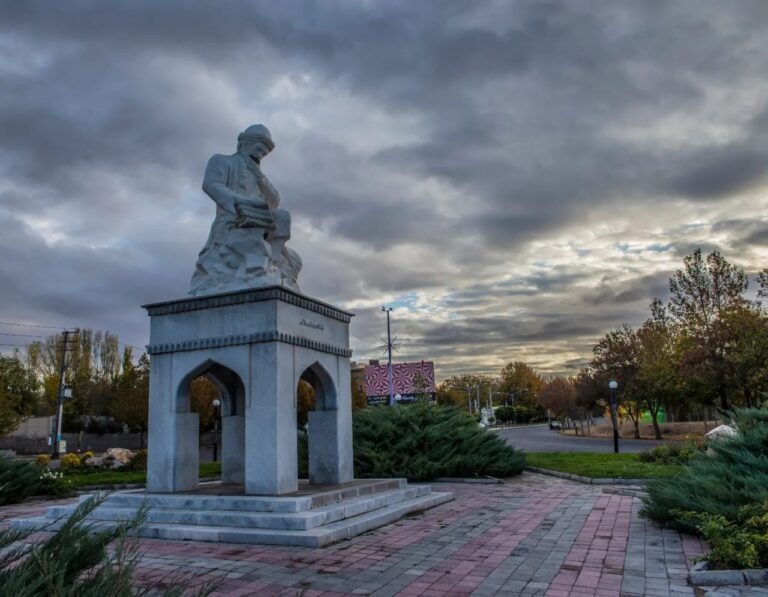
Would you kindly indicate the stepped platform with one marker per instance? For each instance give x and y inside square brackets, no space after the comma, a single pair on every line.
[314,516]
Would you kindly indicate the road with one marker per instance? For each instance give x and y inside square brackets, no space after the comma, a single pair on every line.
[541,439]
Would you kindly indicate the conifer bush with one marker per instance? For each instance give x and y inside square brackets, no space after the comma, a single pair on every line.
[20,479]
[423,442]
[733,473]
[78,561]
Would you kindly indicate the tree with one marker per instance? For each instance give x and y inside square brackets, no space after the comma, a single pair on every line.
[522,381]
[463,390]
[701,293]
[657,375]
[305,402]
[450,395]
[359,397]
[202,393]
[559,396]
[19,393]
[762,282]
[587,395]
[747,354]
[420,387]
[616,358]
[131,405]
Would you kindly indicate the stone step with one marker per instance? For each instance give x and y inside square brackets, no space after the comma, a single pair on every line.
[265,520]
[291,503]
[315,537]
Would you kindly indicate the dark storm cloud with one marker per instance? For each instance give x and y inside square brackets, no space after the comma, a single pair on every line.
[722,172]
[524,119]
[642,288]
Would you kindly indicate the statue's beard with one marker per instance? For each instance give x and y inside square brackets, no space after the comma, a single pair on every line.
[255,157]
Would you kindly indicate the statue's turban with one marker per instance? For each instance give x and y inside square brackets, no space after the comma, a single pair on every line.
[258,132]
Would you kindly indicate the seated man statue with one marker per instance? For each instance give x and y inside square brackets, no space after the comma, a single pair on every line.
[246,245]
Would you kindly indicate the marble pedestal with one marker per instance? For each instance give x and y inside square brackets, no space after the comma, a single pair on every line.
[312,517]
[254,345]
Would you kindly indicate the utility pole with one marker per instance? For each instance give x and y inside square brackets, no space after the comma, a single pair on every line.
[390,382]
[67,337]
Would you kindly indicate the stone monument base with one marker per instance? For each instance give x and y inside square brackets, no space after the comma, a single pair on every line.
[312,517]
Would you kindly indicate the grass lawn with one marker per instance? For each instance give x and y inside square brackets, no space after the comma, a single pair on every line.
[601,466]
[84,478]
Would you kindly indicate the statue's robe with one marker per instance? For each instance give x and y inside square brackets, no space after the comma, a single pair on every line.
[238,252]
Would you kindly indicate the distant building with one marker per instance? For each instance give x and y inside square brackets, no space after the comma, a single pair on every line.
[358,377]
[409,380]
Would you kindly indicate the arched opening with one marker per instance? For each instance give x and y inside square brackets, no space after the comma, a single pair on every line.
[210,405]
[316,405]
[305,403]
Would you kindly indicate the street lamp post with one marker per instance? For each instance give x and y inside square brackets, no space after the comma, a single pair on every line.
[216,405]
[614,419]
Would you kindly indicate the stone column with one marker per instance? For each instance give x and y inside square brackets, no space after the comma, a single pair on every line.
[161,443]
[330,434]
[233,449]
[271,465]
[186,471]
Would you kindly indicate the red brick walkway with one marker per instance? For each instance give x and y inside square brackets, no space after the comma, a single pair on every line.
[533,535]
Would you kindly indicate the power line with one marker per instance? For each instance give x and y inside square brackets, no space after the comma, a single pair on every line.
[24,335]
[50,327]
[32,325]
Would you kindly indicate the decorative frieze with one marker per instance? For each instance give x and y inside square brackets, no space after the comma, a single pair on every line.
[240,297]
[239,339]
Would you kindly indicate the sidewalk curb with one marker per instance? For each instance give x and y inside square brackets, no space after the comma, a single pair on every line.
[728,577]
[503,427]
[479,480]
[585,480]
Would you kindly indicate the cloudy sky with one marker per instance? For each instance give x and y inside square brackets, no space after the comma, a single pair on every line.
[514,177]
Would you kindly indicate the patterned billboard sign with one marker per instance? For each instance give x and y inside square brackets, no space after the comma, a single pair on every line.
[408,379]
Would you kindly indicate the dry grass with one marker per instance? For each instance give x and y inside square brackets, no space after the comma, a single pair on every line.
[672,431]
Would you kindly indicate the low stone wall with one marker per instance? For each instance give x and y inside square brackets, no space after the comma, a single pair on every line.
[87,441]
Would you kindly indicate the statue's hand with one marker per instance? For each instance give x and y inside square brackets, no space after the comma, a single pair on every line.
[252,215]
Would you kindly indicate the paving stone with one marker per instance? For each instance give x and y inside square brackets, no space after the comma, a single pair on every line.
[532,535]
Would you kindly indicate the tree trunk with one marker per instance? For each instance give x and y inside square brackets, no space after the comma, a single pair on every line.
[655,421]
[636,423]
[723,396]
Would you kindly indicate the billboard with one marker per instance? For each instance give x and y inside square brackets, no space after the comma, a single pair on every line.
[409,380]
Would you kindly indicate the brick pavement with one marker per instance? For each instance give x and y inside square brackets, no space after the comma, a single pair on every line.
[533,535]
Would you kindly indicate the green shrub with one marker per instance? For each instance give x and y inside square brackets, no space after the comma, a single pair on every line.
[422,442]
[75,562]
[20,479]
[732,474]
[739,544]
[516,414]
[505,414]
[139,461]
[70,462]
[668,454]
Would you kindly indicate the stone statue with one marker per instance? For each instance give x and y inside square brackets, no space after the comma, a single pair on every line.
[246,245]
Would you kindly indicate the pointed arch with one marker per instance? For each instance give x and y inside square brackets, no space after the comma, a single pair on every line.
[226,381]
[322,382]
